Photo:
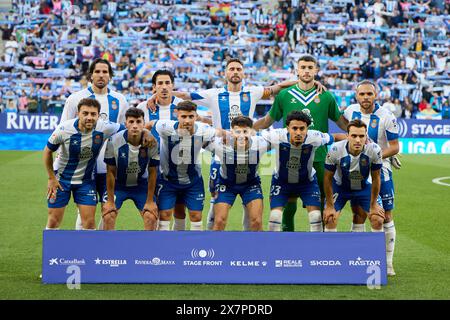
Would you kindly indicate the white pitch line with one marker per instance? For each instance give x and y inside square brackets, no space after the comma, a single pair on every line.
[438,181]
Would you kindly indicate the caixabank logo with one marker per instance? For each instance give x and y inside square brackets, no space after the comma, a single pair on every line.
[66,262]
[203,257]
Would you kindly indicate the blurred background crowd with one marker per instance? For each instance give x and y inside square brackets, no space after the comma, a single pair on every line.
[403,45]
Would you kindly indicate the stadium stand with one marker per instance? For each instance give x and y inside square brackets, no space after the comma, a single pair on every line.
[403,45]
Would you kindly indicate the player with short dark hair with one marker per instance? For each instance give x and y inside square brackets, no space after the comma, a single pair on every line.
[348,166]
[321,106]
[79,142]
[383,130]
[131,172]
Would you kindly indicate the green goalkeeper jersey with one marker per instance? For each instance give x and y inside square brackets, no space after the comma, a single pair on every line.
[320,107]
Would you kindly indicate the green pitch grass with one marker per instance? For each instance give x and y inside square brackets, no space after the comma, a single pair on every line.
[422,255]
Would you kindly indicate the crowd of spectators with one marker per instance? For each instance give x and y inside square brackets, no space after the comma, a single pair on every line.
[402,45]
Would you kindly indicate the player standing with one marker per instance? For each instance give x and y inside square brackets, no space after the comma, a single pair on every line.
[113,107]
[79,142]
[304,95]
[226,103]
[294,175]
[383,130]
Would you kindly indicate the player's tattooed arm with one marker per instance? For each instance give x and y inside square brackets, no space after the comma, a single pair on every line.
[53,183]
[276,88]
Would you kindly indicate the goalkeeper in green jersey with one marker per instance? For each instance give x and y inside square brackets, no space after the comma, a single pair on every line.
[321,107]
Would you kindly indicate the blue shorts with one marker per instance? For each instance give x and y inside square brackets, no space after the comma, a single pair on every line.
[214,175]
[169,193]
[387,194]
[360,197]
[247,191]
[100,185]
[137,193]
[83,194]
[280,192]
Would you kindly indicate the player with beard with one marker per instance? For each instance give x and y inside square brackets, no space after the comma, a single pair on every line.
[235,99]
[304,95]
[113,107]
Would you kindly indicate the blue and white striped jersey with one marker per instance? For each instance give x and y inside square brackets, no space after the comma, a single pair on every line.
[113,108]
[225,105]
[295,164]
[352,173]
[239,166]
[78,151]
[131,161]
[179,152]
[382,127]
[161,113]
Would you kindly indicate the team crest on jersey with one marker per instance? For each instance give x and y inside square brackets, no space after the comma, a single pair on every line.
[114,105]
[306,150]
[97,139]
[364,162]
[317,99]
[374,123]
[86,153]
[235,111]
[143,153]
[245,97]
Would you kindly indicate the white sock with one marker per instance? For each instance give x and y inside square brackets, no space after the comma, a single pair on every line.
[47,228]
[315,221]
[389,232]
[373,230]
[78,224]
[275,220]
[330,230]
[179,224]
[164,225]
[100,225]
[210,219]
[356,227]
[245,220]
[196,226]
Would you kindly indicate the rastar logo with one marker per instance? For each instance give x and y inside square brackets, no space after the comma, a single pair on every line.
[362,262]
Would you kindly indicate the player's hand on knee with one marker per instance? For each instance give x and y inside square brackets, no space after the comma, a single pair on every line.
[330,215]
[151,103]
[151,208]
[395,161]
[109,207]
[52,187]
[320,87]
[378,211]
